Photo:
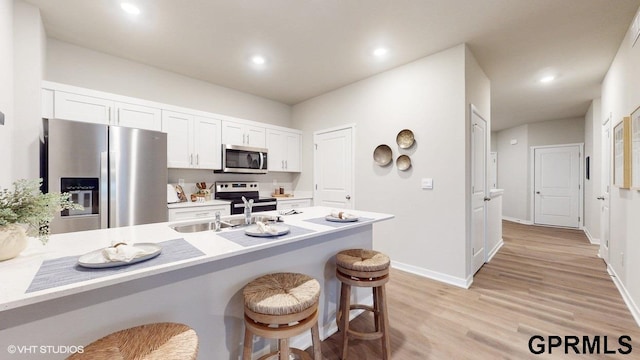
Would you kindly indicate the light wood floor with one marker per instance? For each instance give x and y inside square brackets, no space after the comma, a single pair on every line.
[543,281]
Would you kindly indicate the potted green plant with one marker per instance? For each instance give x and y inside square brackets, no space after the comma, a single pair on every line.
[26,211]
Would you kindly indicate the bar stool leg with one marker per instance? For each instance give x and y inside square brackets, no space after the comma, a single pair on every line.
[376,308]
[315,341]
[345,308]
[247,349]
[386,343]
[284,349]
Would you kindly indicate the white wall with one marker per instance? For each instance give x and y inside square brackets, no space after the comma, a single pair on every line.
[428,97]
[29,53]
[592,149]
[513,169]
[6,92]
[514,163]
[74,65]
[620,97]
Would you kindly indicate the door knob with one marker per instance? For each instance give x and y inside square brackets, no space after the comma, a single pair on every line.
[538,192]
[487,199]
[600,198]
[348,197]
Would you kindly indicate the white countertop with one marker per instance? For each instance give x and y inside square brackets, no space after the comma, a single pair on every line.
[17,274]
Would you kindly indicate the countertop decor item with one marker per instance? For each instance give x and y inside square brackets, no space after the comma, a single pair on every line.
[382,155]
[26,205]
[403,162]
[405,139]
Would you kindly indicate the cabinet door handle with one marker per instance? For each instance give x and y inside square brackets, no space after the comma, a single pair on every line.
[191,159]
[197,159]
[109,115]
[248,142]
[244,136]
[286,164]
[282,164]
[118,115]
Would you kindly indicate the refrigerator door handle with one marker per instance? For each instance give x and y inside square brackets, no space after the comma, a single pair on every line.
[104,192]
[113,189]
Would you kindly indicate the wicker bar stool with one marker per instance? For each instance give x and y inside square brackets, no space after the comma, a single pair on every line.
[166,341]
[363,268]
[280,306]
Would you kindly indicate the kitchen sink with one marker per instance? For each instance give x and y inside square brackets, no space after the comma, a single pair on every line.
[227,223]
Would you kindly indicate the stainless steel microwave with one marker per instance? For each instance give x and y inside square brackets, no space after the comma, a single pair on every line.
[243,160]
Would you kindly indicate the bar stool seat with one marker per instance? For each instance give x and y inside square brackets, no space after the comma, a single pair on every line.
[363,268]
[280,306]
[166,341]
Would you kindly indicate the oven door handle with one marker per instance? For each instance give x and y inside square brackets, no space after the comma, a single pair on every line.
[257,204]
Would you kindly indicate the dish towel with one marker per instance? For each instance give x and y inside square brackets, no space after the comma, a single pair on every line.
[120,252]
[266,228]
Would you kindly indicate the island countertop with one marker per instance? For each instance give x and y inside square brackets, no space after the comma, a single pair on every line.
[17,274]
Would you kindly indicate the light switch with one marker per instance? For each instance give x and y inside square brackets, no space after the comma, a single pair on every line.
[513,141]
[427,183]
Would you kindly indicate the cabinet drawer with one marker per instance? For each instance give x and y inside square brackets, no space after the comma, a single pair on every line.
[293,204]
[198,212]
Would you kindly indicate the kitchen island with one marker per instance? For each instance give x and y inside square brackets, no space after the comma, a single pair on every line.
[46,319]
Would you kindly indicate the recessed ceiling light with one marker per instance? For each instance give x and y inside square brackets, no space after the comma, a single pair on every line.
[379,52]
[129,8]
[258,60]
[547,79]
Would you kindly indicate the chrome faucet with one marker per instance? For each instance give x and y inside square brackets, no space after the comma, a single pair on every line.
[247,211]
[217,221]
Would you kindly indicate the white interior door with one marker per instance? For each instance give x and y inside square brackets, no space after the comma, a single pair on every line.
[333,170]
[478,188]
[605,184]
[557,186]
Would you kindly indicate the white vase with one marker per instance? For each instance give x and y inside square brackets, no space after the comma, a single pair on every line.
[13,239]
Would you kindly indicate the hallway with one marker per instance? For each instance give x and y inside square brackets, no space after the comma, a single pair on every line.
[544,281]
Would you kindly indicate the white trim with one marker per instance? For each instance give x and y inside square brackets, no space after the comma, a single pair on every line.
[353,160]
[592,240]
[628,300]
[434,275]
[516,220]
[532,179]
[494,251]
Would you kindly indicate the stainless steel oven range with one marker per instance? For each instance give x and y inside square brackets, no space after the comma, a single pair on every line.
[235,190]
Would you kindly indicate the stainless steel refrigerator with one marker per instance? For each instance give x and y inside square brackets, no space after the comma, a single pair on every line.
[118,174]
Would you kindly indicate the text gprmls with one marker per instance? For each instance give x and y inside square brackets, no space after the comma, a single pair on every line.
[539,344]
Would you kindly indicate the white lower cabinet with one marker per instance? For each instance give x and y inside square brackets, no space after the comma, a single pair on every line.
[199,212]
[293,204]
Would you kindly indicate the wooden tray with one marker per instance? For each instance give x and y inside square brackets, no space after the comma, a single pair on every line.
[282,195]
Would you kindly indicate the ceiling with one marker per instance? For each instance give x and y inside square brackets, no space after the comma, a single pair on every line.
[315,46]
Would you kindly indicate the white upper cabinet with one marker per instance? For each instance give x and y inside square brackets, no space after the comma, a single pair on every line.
[71,103]
[235,133]
[138,116]
[179,129]
[284,150]
[77,107]
[192,141]
[207,143]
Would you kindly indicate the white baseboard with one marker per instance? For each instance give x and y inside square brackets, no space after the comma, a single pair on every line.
[592,240]
[495,249]
[434,275]
[633,308]
[512,219]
